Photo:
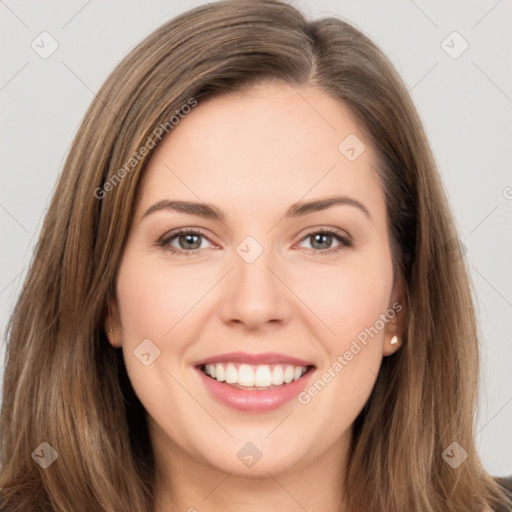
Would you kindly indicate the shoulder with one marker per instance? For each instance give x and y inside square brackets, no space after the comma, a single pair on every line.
[506,484]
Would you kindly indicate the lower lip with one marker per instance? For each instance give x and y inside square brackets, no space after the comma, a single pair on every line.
[254,400]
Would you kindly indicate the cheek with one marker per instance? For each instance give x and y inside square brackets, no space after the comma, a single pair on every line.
[154,298]
[153,303]
[350,300]
[351,297]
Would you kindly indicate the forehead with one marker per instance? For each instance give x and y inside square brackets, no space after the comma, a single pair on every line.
[272,144]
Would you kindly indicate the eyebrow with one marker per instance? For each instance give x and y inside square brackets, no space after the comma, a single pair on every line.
[298,209]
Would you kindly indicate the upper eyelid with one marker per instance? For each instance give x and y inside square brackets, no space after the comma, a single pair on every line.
[311,231]
[179,231]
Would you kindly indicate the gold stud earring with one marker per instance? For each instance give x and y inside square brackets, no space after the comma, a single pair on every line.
[394,340]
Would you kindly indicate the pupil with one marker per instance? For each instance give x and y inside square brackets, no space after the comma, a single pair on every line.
[321,241]
[326,239]
[188,239]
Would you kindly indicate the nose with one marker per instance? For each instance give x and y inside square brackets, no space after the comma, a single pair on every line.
[255,294]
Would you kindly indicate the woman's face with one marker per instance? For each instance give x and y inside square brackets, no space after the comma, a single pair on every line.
[259,291]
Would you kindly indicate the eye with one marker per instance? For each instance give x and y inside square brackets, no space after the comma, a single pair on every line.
[322,240]
[190,241]
[184,241]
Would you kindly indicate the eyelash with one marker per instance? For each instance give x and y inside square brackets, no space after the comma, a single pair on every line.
[344,241]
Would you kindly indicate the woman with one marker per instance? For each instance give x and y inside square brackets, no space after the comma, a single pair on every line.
[245,292]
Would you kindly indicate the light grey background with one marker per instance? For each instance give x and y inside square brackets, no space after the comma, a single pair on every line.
[465,104]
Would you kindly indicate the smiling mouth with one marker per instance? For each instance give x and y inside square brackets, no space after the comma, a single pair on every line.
[255,377]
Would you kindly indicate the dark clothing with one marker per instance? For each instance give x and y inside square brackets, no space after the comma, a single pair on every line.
[506,483]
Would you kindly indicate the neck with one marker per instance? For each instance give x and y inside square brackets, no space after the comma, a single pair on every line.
[184,483]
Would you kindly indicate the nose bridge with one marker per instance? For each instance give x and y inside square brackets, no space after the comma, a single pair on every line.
[256,296]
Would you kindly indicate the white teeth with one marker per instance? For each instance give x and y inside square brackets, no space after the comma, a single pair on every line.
[277,376]
[219,373]
[245,375]
[297,373]
[288,374]
[231,374]
[261,376]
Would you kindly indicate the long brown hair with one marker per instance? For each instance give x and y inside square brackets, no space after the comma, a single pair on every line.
[65,385]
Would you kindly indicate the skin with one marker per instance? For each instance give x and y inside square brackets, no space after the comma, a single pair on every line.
[253,155]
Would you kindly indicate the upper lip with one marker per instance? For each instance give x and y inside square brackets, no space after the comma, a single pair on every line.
[262,358]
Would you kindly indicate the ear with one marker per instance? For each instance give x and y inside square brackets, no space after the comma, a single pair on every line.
[396,314]
[113,324]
